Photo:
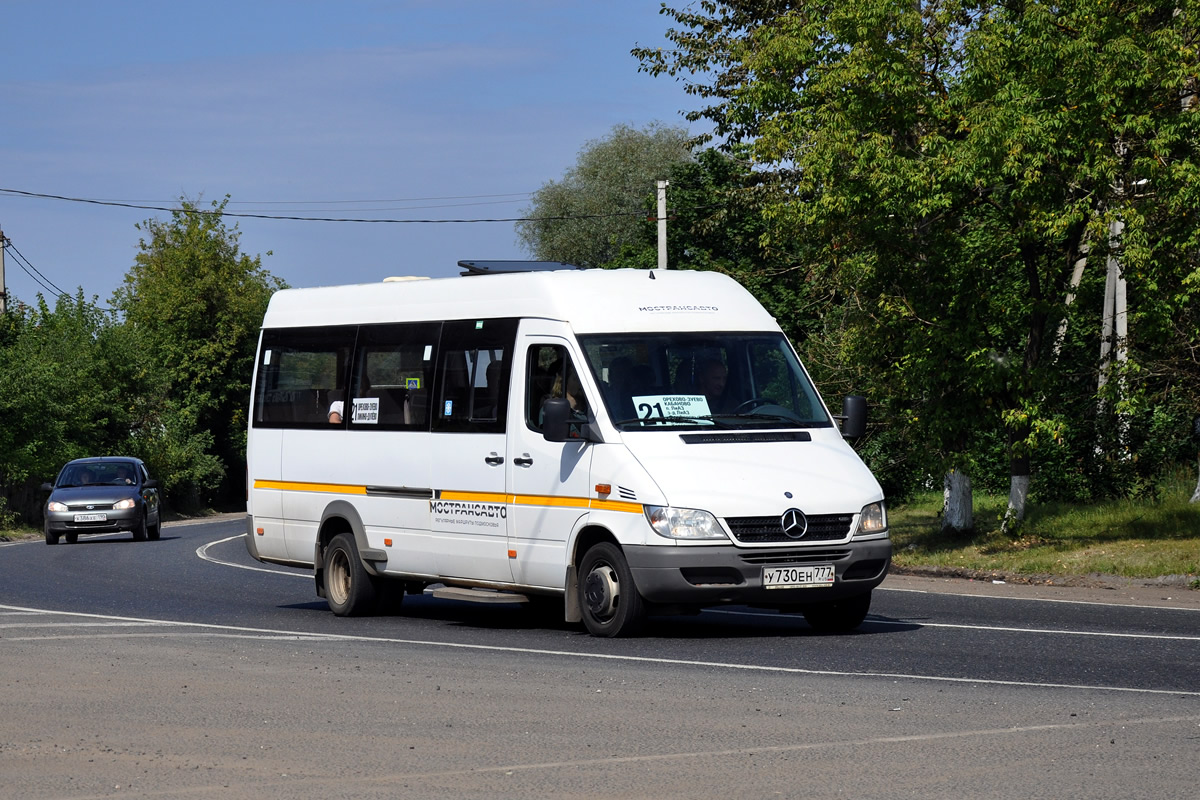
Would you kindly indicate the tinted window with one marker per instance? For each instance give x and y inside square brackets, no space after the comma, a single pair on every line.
[302,374]
[392,377]
[473,375]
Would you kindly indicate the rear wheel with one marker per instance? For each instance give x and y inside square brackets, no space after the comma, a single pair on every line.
[349,590]
[840,615]
[608,598]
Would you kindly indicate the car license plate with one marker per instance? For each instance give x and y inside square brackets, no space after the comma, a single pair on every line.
[810,576]
[91,517]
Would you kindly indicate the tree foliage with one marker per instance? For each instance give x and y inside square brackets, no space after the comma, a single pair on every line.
[588,216]
[165,380]
[197,301]
[950,162]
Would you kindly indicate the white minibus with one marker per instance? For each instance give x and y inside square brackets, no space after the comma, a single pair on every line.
[610,444]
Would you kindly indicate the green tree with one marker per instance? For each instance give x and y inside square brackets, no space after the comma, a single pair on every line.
[955,160]
[588,216]
[57,398]
[198,302]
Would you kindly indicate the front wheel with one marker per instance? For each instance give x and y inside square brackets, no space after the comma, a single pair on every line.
[608,598]
[348,588]
[839,616]
[139,532]
[51,538]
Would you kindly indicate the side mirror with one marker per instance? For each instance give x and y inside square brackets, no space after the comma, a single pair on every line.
[854,416]
[47,487]
[556,411]
[150,484]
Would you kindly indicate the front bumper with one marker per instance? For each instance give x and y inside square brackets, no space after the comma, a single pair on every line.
[126,519]
[726,574]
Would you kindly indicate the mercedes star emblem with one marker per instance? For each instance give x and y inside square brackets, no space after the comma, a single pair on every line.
[795,525]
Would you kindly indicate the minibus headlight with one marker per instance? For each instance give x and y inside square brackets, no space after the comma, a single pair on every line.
[684,523]
[873,519]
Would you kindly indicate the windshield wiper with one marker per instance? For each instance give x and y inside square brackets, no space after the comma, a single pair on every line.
[685,420]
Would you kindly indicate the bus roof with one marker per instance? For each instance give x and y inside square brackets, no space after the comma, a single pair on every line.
[591,301]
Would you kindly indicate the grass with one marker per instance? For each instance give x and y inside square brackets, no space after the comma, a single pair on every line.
[1119,538]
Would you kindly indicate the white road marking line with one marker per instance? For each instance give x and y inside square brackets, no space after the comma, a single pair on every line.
[1039,630]
[339,637]
[202,551]
[918,623]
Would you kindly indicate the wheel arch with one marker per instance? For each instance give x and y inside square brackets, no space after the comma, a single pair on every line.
[587,536]
[341,516]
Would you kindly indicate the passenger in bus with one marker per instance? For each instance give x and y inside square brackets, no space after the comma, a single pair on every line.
[490,409]
[335,412]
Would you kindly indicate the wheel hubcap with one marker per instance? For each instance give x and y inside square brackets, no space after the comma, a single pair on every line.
[339,579]
[601,591]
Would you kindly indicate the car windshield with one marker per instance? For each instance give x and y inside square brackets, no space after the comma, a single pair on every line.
[702,380]
[101,473]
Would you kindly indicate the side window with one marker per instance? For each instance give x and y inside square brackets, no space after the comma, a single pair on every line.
[551,373]
[392,377]
[301,377]
[474,363]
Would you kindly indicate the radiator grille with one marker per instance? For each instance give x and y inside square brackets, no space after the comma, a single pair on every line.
[821,528]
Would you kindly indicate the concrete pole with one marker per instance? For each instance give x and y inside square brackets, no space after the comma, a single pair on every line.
[662,224]
[3,290]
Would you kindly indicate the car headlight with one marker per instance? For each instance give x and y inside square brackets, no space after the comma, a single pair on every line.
[54,505]
[684,523]
[121,505]
[873,519]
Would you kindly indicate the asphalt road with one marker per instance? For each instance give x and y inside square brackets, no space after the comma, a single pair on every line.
[182,668]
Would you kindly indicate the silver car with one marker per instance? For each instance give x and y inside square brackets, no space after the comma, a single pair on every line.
[102,495]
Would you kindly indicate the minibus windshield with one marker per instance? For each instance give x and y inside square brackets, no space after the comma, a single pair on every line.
[702,380]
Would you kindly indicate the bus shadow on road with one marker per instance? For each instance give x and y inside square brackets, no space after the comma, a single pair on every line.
[724,623]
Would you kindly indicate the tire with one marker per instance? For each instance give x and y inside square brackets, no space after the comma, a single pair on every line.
[72,538]
[608,599]
[349,590]
[154,531]
[839,616]
[139,532]
[51,538]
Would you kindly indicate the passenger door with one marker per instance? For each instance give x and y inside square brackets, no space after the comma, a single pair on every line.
[550,481]
[469,509]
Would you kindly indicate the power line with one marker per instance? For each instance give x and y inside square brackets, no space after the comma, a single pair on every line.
[383,220]
[39,278]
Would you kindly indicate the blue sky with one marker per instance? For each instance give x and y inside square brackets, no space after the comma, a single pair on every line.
[356,108]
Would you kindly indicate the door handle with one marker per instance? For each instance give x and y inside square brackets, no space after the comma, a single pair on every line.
[494,459]
[523,461]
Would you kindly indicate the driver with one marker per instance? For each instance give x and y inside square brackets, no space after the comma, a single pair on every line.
[713,376]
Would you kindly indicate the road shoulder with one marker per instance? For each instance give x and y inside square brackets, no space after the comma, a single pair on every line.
[1106,589]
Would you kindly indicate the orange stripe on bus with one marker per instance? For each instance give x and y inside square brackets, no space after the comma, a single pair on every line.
[532,500]
[304,486]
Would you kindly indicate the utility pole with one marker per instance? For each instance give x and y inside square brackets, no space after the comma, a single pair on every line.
[662,224]
[3,294]
[1114,332]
